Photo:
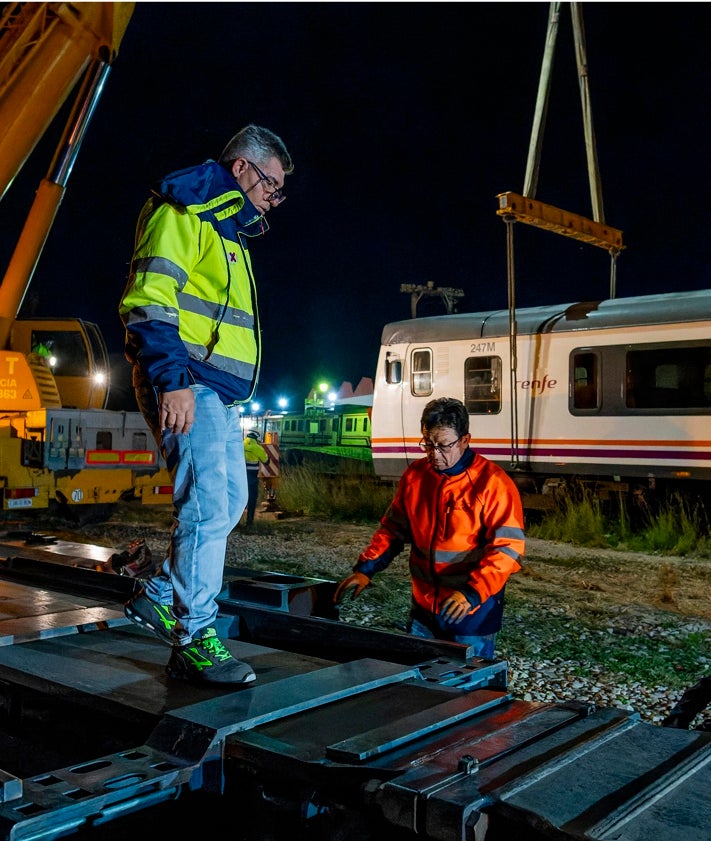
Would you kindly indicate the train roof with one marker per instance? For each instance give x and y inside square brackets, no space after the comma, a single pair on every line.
[585,315]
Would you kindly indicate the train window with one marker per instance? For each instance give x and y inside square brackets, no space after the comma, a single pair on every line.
[669,378]
[482,385]
[393,369]
[421,377]
[585,376]
[104,440]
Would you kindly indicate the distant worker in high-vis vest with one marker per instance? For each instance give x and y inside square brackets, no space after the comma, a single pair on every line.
[254,455]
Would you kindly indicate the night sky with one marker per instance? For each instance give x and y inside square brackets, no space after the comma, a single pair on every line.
[405,120]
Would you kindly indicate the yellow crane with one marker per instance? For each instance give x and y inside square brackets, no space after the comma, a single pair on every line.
[46,51]
[58,442]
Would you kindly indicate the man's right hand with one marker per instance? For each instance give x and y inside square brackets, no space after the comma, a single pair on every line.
[357,582]
[176,410]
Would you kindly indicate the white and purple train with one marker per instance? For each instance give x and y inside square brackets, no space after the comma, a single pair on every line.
[616,393]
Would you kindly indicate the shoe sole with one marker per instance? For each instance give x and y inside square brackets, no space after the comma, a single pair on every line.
[201,681]
[130,614]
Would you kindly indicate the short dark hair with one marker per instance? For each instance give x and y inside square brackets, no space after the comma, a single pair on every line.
[445,411]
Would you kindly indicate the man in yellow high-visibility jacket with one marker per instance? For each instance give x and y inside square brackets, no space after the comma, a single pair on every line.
[193,337]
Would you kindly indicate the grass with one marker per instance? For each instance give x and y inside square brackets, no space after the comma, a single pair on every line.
[350,496]
[677,526]
[661,656]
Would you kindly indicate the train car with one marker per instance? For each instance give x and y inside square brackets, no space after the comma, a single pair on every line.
[616,393]
[79,461]
[324,436]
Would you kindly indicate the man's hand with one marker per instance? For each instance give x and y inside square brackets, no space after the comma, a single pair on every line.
[176,410]
[455,608]
[357,582]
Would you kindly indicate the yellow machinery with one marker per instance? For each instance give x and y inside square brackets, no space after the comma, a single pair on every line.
[57,440]
[46,50]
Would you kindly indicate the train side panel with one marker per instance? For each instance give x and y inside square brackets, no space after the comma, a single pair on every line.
[616,390]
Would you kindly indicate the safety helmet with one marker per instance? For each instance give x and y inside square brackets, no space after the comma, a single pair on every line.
[254,434]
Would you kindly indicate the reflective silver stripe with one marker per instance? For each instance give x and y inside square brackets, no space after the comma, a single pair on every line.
[152,313]
[471,556]
[245,370]
[510,551]
[208,309]
[456,582]
[160,265]
[510,533]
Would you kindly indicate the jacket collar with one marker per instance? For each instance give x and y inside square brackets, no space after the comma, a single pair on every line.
[211,192]
[464,462]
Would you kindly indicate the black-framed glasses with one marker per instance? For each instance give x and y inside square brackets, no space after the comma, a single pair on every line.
[277,194]
[442,449]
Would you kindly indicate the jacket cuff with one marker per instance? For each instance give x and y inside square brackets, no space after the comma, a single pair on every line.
[172,381]
[472,595]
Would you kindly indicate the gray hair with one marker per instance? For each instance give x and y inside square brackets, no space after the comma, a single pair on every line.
[259,145]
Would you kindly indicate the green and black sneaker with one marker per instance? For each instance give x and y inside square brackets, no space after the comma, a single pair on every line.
[207,660]
[149,614]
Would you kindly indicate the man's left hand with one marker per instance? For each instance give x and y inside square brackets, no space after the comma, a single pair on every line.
[455,608]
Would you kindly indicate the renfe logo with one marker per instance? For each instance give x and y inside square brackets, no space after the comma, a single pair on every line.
[537,385]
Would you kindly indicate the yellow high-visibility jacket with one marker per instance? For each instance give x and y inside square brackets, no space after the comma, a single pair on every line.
[254,455]
[190,305]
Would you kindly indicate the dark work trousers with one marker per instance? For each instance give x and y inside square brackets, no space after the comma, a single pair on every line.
[253,491]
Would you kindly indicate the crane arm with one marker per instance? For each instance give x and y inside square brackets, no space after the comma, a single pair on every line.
[45,48]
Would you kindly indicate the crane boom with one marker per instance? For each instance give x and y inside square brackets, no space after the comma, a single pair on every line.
[44,50]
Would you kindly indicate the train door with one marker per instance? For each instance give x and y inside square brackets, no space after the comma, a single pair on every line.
[388,444]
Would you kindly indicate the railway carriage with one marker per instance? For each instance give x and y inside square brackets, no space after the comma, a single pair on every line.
[615,392]
[329,436]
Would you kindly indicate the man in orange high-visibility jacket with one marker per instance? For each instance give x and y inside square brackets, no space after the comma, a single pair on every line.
[463,518]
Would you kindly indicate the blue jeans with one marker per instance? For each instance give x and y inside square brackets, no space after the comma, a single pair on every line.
[481,646]
[209,496]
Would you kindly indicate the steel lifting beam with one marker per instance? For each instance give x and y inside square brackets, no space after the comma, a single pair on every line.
[552,218]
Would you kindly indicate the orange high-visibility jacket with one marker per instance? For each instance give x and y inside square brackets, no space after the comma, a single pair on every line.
[465,531]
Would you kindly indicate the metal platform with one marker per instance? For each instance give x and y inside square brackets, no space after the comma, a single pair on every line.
[341,720]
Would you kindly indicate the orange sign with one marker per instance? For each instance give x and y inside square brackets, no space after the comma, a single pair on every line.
[270,470]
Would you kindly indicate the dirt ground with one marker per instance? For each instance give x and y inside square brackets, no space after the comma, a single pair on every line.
[617,580]
[583,579]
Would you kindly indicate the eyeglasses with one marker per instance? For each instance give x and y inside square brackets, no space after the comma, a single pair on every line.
[442,449]
[277,194]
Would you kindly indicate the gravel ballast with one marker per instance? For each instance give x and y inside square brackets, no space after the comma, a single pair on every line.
[601,579]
